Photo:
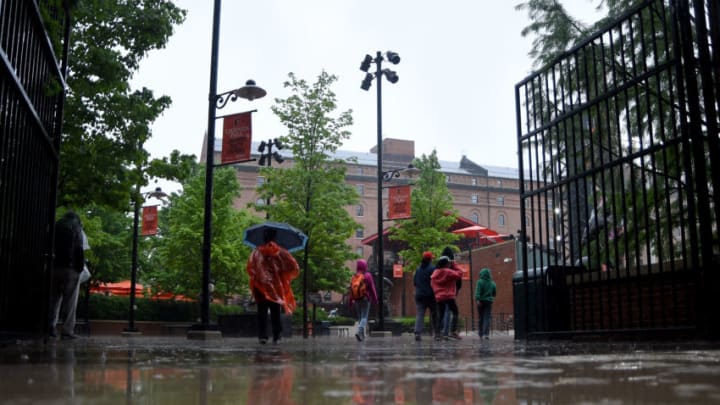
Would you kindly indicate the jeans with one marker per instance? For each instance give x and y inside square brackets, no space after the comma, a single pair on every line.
[484,317]
[422,304]
[363,308]
[63,298]
[448,310]
[275,310]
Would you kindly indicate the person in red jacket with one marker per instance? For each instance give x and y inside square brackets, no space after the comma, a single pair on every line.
[443,281]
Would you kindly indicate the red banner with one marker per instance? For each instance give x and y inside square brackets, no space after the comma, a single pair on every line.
[397,271]
[237,135]
[149,220]
[398,202]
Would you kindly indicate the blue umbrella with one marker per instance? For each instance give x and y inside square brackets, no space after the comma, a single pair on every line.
[286,235]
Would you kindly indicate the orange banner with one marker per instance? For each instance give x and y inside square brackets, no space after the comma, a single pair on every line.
[397,271]
[149,220]
[237,136]
[398,202]
[465,269]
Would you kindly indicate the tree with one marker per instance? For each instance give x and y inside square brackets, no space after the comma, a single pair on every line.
[106,122]
[175,261]
[312,195]
[432,214]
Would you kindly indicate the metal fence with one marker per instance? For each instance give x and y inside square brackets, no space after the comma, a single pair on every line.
[31,99]
[619,156]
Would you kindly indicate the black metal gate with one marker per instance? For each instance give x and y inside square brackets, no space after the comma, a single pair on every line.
[31,99]
[619,157]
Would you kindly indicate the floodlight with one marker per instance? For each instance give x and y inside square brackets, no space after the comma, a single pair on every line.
[365,65]
[391,75]
[366,82]
[393,57]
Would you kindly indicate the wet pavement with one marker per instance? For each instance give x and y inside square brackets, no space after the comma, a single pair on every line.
[339,370]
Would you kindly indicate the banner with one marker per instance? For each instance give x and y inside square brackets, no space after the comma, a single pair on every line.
[397,271]
[237,135]
[466,270]
[399,202]
[149,220]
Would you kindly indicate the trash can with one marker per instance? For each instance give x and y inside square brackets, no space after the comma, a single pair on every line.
[547,294]
[525,322]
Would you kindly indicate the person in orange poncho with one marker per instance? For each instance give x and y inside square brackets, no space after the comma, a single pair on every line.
[271,269]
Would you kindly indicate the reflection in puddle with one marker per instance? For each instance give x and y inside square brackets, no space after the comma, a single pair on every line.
[339,371]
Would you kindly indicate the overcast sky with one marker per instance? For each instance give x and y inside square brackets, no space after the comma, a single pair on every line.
[460,61]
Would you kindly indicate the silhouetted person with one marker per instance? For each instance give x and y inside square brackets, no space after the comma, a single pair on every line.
[69,260]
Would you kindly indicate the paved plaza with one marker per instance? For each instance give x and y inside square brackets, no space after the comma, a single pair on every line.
[340,370]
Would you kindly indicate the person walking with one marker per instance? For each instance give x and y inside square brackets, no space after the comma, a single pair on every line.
[485,291]
[424,297]
[362,296]
[271,269]
[451,317]
[68,263]
[443,281]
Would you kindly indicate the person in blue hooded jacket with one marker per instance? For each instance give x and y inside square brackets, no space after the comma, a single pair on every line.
[485,292]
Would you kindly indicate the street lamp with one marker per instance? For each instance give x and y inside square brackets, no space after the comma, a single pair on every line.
[392,77]
[215,101]
[159,194]
[266,158]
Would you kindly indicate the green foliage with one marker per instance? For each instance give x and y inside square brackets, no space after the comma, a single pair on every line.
[176,263]
[106,122]
[116,308]
[432,214]
[313,195]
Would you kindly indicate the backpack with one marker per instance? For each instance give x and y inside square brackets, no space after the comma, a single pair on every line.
[358,289]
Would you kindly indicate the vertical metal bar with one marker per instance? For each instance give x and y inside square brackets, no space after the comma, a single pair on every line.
[380,258]
[523,225]
[209,168]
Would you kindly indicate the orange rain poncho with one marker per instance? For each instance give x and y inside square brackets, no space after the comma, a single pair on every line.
[271,269]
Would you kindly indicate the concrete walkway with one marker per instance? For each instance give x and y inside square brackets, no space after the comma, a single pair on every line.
[339,370]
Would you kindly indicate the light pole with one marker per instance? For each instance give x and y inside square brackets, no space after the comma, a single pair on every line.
[159,194]
[392,77]
[266,158]
[215,101]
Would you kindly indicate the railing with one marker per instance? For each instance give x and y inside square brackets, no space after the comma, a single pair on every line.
[31,99]
[619,153]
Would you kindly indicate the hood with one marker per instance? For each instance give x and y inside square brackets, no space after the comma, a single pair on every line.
[485,274]
[269,249]
[361,266]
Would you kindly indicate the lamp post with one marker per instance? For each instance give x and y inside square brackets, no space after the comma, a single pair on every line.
[266,158]
[159,194]
[392,77]
[215,101]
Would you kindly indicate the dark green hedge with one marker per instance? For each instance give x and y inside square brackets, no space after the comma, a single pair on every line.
[114,308]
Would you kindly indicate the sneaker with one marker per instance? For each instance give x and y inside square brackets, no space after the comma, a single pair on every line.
[359,337]
[486,337]
[418,337]
[456,336]
[276,340]
[263,341]
[437,338]
[68,336]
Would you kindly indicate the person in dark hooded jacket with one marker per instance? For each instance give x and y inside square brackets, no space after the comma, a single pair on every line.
[424,297]
[485,292]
